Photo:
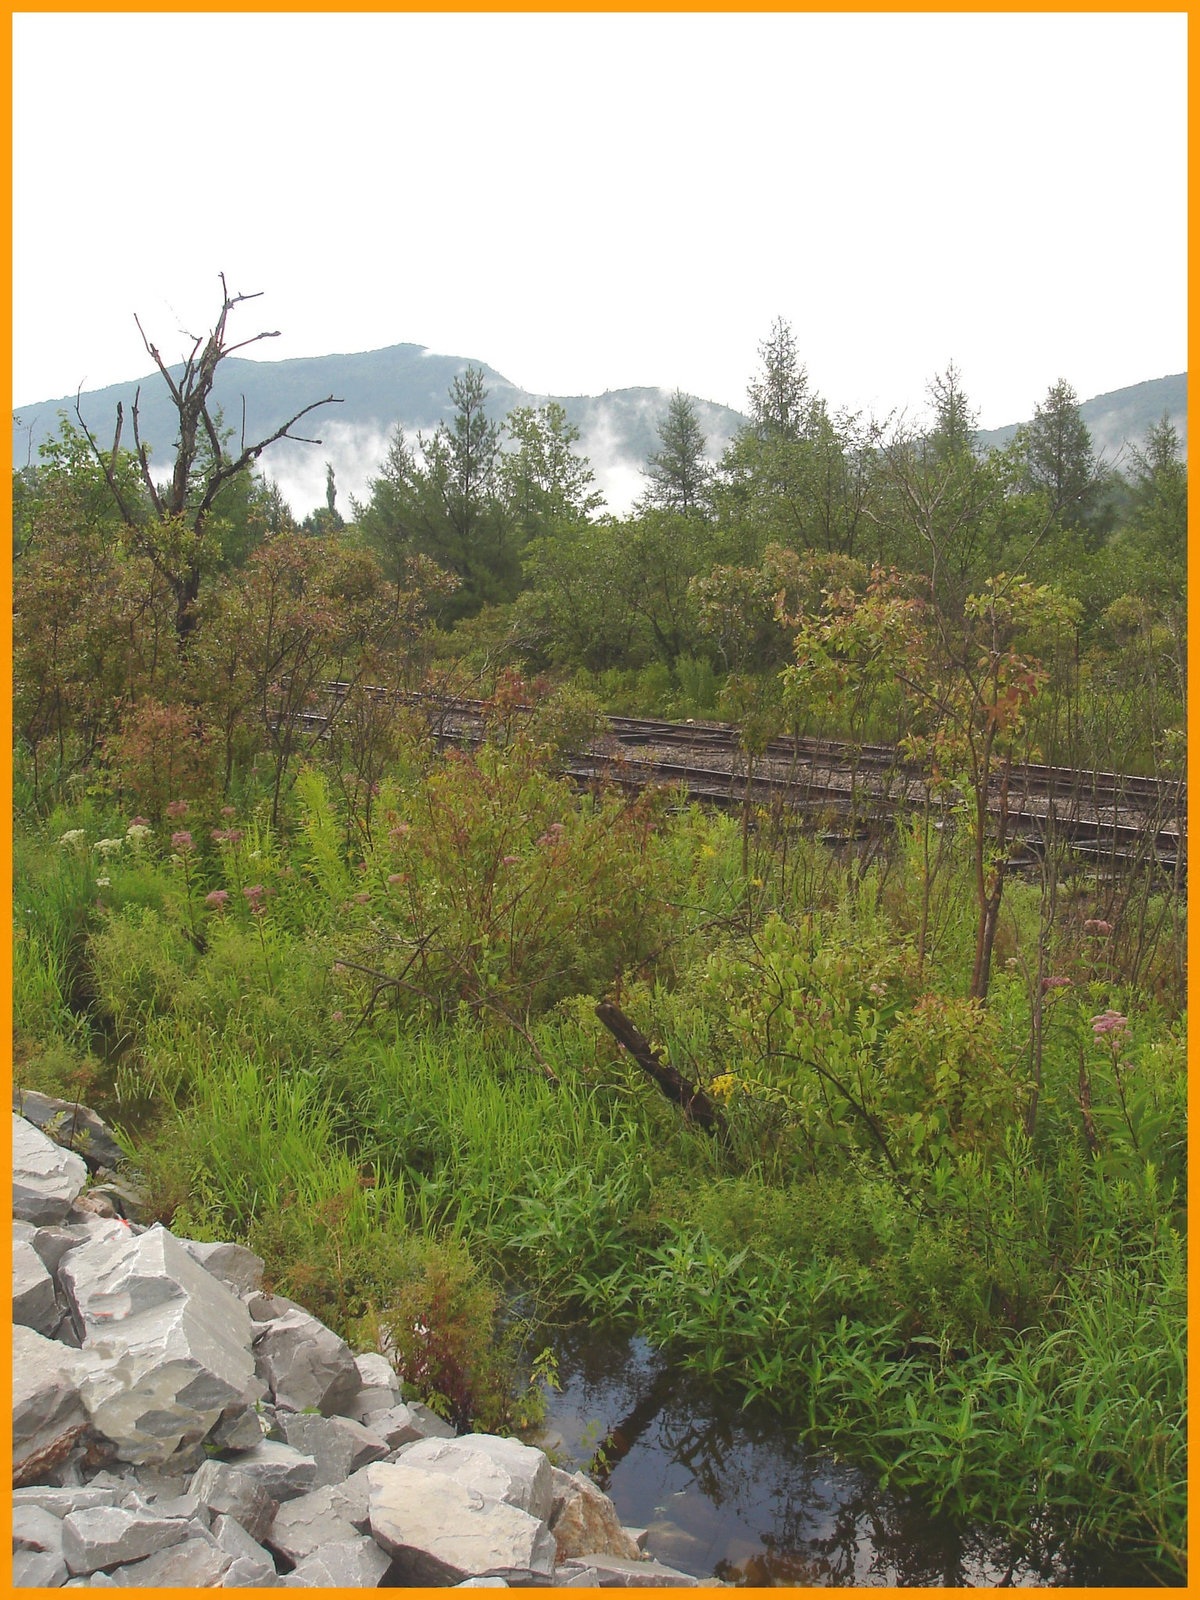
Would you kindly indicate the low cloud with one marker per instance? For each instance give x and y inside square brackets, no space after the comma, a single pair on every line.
[616,436]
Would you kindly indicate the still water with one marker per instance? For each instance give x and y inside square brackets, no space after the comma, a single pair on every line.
[727,1493]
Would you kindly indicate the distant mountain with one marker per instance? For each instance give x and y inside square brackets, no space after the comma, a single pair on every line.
[1123,416]
[403,384]
[408,384]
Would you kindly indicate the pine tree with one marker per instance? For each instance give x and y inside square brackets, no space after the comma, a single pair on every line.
[679,477]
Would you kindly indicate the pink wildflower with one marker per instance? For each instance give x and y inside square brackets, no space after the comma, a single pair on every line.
[1055,983]
[228,811]
[399,830]
[361,899]
[1097,925]
[140,822]
[337,1016]
[510,861]
[395,877]
[216,898]
[177,808]
[182,841]
[1108,1022]
[254,892]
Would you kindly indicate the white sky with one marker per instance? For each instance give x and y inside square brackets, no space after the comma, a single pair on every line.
[595,201]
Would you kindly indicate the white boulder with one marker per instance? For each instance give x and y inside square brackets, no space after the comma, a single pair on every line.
[46,1178]
[306,1366]
[440,1532]
[48,1413]
[174,1343]
[33,1299]
[504,1469]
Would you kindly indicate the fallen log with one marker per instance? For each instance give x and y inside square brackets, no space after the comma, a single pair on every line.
[692,1101]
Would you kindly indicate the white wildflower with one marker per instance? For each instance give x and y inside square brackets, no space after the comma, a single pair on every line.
[105,847]
[71,837]
[136,832]
[103,883]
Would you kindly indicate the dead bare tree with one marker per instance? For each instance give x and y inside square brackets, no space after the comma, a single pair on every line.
[170,530]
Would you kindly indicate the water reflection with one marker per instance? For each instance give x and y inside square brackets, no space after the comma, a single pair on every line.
[727,1493]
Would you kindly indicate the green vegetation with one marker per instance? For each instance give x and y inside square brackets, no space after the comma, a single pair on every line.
[337,986]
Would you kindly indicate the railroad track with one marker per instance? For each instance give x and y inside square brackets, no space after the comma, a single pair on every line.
[1114,816]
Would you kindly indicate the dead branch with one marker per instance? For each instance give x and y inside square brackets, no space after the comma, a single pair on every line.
[691,1100]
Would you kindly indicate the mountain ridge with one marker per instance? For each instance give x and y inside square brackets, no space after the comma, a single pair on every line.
[406,384]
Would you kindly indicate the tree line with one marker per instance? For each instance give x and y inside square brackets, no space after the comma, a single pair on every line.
[204,602]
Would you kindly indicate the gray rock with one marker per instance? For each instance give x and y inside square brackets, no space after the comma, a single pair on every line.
[252,1565]
[237,1268]
[574,1575]
[356,1563]
[34,1528]
[303,1525]
[70,1124]
[59,1501]
[338,1445]
[48,1412]
[431,1425]
[38,1569]
[503,1469]
[33,1300]
[237,1429]
[107,1536]
[121,1482]
[584,1520]
[97,1580]
[263,1306]
[282,1470]
[184,1460]
[234,1494]
[242,1573]
[395,1426]
[481,1583]
[618,1572]
[46,1178]
[304,1364]
[377,1372]
[188,1506]
[440,1532]
[194,1564]
[121,1198]
[53,1241]
[174,1343]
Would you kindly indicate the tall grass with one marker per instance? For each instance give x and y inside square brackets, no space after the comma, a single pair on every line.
[878,1246]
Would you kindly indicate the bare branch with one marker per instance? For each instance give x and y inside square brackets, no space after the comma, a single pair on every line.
[143,456]
[106,465]
[251,453]
[228,351]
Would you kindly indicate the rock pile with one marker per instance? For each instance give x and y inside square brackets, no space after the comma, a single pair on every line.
[176,1427]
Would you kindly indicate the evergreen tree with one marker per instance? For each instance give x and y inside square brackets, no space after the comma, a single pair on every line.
[680,479]
[953,433]
[779,399]
[1059,458]
[443,501]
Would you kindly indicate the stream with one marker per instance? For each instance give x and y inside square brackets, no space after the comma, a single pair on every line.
[731,1494]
